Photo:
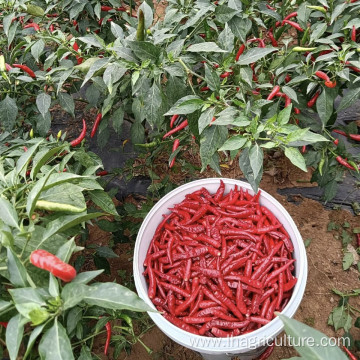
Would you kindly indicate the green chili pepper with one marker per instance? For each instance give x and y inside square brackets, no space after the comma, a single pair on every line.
[318,8]
[140,32]
[321,165]
[302,49]
[55,206]
[305,36]
[2,63]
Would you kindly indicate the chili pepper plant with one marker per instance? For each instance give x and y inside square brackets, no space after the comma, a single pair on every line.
[46,307]
[242,78]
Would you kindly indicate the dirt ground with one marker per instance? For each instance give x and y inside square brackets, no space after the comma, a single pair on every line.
[324,263]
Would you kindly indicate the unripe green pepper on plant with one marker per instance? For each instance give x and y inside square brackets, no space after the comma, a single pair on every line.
[140,32]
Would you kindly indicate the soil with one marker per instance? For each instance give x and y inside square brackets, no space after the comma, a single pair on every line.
[324,256]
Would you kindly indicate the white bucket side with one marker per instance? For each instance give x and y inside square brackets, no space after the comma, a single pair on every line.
[202,344]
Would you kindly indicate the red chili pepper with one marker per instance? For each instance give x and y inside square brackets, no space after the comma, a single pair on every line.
[175,146]
[108,337]
[353,33]
[121,9]
[76,46]
[51,28]
[52,15]
[81,137]
[260,42]
[349,354]
[272,39]
[205,88]
[102,173]
[79,59]
[354,68]
[294,25]
[266,354]
[270,7]
[96,124]
[330,84]
[322,75]
[336,142]
[26,69]
[183,125]
[49,262]
[297,111]
[25,149]
[240,51]
[312,101]
[35,26]
[291,15]
[358,240]
[273,92]
[225,74]
[343,162]
[355,137]
[8,67]
[4,324]
[106,8]
[172,120]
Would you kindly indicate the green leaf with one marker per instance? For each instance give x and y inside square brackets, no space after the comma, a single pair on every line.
[340,318]
[73,318]
[25,158]
[224,13]
[347,261]
[211,140]
[212,78]
[8,113]
[96,66]
[256,159]
[117,30]
[325,105]
[116,297]
[245,167]
[205,119]
[234,143]
[4,305]
[86,277]
[349,98]
[104,201]
[152,106]
[37,49]
[33,336]
[43,102]
[72,294]
[65,222]
[14,335]
[16,269]
[53,286]
[118,120]
[145,50]
[67,103]
[295,157]
[27,295]
[318,351]
[240,27]
[55,344]
[8,213]
[106,252]
[205,47]
[34,10]
[65,251]
[186,105]
[254,54]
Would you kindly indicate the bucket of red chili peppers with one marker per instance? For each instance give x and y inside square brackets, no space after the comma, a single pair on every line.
[217,261]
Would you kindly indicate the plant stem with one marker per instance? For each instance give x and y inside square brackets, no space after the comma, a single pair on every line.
[188,71]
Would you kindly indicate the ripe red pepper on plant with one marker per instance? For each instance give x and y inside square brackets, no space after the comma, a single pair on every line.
[343,162]
[96,124]
[175,146]
[353,33]
[49,262]
[8,67]
[108,337]
[240,51]
[291,15]
[272,39]
[172,120]
[260,42]
[312,101]
[35,26]
[81,137]
[51,28]
[102,173]
[294,24]
[25,69]
[336,142]
[355,137]
[183,125]
[273,92]
[4,324]
[225,74]
[106,8]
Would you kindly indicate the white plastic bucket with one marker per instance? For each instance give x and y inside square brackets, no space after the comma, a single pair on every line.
[248,346]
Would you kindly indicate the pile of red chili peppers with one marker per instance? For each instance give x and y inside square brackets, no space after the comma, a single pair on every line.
[220,265]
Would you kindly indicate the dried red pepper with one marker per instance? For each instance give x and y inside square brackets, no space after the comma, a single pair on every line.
[49,262]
